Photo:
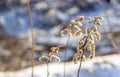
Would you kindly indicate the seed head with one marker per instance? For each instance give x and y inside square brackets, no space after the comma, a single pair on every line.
[87,31]
[92,55]
[80,18]
[95,28]
[72,21]
[79,24]
[99,23]
[83,58]
[54,57]
[78,33]
[91,39]
[98,36]
[75,58]
[44,58]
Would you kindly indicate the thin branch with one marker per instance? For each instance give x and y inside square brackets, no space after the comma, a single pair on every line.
[32,34]
[47,69]
[79,67]
[66,56]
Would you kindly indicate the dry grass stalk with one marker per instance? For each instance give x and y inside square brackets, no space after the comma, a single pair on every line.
[46,60]
[32,34]
[52,55]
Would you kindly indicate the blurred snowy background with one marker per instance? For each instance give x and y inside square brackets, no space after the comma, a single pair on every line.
[49,17]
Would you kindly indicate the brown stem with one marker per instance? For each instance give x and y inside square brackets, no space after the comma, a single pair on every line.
[32,34]
[47,69]
[79,68]
[66,57]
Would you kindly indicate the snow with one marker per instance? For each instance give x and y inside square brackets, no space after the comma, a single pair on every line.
[106,66]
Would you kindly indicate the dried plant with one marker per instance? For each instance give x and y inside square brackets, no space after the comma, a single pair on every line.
[53,52]
[86,44]
[45,59]
[52,55]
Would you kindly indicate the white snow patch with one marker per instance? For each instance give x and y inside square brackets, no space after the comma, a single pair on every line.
[107,66]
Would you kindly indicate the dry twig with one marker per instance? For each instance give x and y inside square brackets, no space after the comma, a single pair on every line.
[32,34]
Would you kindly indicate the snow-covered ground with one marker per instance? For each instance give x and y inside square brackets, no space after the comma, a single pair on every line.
[106,66]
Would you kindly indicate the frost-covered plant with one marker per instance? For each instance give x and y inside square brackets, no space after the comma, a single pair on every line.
[85,44]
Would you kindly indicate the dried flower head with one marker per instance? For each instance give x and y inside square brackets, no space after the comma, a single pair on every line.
[87,42]
[98,36]
[44,58]
[81,43]
[75,58]
[53,56]
[91,39]
[77,27]
[73,21]
[92,55]
[87,31]
[78,33]
[92,47]
[78,55]
[99,23]
[99,18]
[80,18]
[79,24]
[80,52]
[56,49]
[68,30]
[83,57]
[95,28]
[88,47]
[73,28]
